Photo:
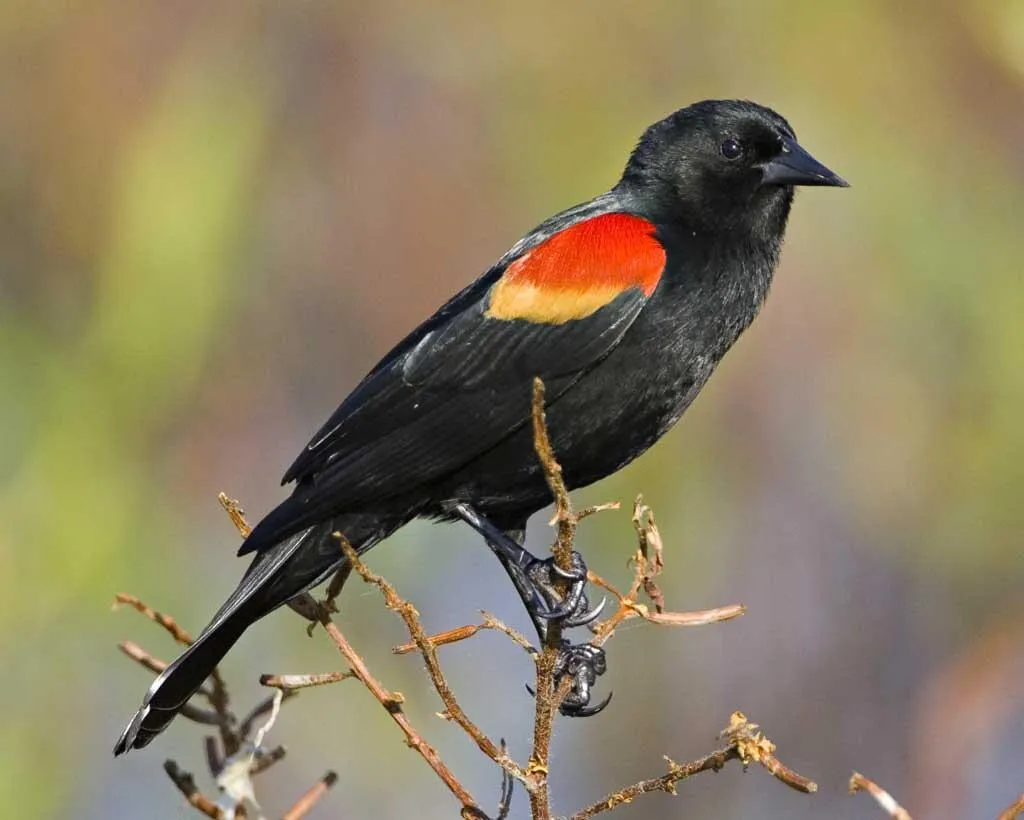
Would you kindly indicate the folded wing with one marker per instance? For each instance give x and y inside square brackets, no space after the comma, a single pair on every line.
[461,383]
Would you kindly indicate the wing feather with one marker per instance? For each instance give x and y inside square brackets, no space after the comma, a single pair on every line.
[461,383]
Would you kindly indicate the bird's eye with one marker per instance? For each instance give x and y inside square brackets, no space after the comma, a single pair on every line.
[731,148]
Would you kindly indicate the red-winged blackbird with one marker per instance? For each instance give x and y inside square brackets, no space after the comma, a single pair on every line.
[623,305]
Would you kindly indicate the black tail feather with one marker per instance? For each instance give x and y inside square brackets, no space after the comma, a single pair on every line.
[275,576]
[180,681]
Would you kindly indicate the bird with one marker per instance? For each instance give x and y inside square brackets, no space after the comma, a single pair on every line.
[622,305]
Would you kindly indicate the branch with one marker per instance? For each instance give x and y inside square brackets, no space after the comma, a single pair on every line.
[1014,811]
[187,786]
[546,699]
[461,633]
[289,683]
[235,513]
[754,747]
[236,759]
[745,744]
[392,703]
[166,621]
[239,755]
[305,803]
[666,783]
[859,782]
[453,710]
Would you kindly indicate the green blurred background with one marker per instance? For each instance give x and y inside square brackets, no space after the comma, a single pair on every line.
[215,217]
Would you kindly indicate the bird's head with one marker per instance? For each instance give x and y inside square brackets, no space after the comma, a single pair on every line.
[721,166]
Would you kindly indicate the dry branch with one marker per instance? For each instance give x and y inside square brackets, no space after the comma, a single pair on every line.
[546,698]
[859,782]
[392,703]
[1012,812]
[187,786]
[453,711]
[237,752]
[305,803]
[292,682]
[166,621]
[461,633]
[746,744]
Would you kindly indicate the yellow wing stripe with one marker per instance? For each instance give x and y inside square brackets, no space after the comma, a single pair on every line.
[511,299]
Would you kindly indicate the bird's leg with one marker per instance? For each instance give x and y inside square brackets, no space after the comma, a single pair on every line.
[535,581]
[535,578]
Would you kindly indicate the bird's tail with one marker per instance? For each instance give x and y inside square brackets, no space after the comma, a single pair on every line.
[275,576]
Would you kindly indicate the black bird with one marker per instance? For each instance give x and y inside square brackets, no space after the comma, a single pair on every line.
[623,305]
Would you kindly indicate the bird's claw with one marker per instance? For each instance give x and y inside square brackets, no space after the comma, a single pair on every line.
[583,664]
[584,711]
[586,616]
[549,605]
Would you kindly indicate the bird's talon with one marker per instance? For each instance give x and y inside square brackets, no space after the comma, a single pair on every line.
[565,609]
[571,574]
[585,711]
[587,617]
[544,575]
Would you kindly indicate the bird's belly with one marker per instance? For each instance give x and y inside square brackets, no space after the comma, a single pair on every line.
[609,417]
[616,416]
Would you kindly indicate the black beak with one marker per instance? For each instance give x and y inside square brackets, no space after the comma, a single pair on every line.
[794,166]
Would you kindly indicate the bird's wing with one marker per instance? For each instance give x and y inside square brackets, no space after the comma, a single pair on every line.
[461,383]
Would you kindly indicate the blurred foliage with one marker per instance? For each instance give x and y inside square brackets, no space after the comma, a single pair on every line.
[215,218]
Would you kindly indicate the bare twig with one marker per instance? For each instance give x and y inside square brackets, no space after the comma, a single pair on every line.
[265,761]
[235,513]
[754,747]
[666,783]
[166,621]
[746,744]
[392,703]
[564,517]
[859,782]
[214,758]
[453,710]
[311,798]
[1013,811]
[461,633]
[219,700]
[517,637]
[225,755]
[141,656]
[629,608]
[652,559]
[546,698]
[187,786]
[292,682]
[586,512]
[153,663]
[205,717]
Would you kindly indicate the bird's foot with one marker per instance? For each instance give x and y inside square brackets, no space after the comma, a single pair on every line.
[537,580]
[582,664]
[548,604]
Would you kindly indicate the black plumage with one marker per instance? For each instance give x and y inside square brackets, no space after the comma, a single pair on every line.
[443,419]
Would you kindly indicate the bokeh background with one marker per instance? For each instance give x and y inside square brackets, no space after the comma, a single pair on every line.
[215,217]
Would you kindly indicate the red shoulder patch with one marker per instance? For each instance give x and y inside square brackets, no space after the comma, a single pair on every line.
[579,270]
